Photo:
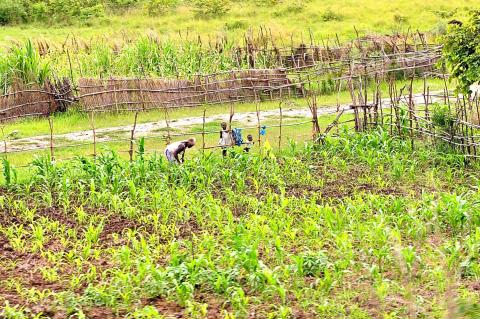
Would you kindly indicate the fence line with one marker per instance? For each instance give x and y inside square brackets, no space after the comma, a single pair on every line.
[219,87]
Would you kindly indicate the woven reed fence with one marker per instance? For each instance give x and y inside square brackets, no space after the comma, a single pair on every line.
[35,100]
[144,94]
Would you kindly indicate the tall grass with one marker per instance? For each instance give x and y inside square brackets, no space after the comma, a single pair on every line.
[23,64]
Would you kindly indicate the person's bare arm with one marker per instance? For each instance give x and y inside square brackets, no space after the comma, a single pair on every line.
[180,149]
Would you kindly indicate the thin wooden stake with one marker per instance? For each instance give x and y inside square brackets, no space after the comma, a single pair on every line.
[4,141]
[50,123]
[203,130]
[167,123]
[280,127]
[92,124]
[132,136]
[259,125]
[411,112]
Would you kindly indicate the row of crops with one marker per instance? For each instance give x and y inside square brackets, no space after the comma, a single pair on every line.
[359,227]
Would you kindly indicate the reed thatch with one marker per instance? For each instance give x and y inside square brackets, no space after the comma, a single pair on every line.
[143,94]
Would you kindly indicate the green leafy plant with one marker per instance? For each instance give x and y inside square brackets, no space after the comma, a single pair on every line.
[460,51]
[160,7]
[12,11]
[210,8]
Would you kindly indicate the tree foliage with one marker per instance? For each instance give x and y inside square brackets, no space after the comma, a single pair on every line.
[462,51]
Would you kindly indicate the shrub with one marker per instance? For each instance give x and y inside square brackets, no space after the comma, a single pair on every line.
[67,11]
[160,7]
[398,18]
[292,8]
[461,53]
[443,118]
[40,11]
[445,14]
[95,11]
[12,11]
[235,25]
[121,4]
[210,8]
[330,15]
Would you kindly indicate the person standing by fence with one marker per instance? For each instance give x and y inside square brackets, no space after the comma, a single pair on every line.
[249,143]
[175,149]
[226,139]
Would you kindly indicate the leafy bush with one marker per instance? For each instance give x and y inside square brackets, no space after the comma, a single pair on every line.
[12,11]
[95,11]
[235,25]
[330,15]
[160,7]
[461,52]
[210,8]
[293,8]
[444,13]
[52,11]
[398,18]
[40,11]
[442,117]
[121,4]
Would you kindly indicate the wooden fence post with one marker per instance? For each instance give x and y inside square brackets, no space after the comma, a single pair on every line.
[410,112]
[259,125]
[50,123]
[312,104]
[92,124]
[280,127]
[472,134]
[2,127]
[477,100]
[132,136]
[203,130]
[167,123]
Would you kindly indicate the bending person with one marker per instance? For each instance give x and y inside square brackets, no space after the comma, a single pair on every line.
[176,149]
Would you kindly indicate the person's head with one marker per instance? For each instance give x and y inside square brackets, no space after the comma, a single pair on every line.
[250,137]
[190,142]
[224,125]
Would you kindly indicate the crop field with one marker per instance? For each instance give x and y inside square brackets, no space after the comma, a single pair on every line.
[359,227]
[359,197]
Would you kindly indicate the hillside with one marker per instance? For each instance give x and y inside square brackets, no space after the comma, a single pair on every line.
[284,19]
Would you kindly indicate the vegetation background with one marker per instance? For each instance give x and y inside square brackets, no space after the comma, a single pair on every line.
[115,19]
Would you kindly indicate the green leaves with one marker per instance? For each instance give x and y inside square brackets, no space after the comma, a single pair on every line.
[461,51]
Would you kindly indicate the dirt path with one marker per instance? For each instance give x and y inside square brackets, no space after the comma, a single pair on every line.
[150,128]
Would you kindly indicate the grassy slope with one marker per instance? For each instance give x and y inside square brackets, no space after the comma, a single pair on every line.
[284,19]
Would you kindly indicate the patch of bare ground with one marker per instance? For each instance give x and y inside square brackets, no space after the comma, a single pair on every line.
[101,313]
[187,228]
[24,268]
[168,309]
[338,185]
